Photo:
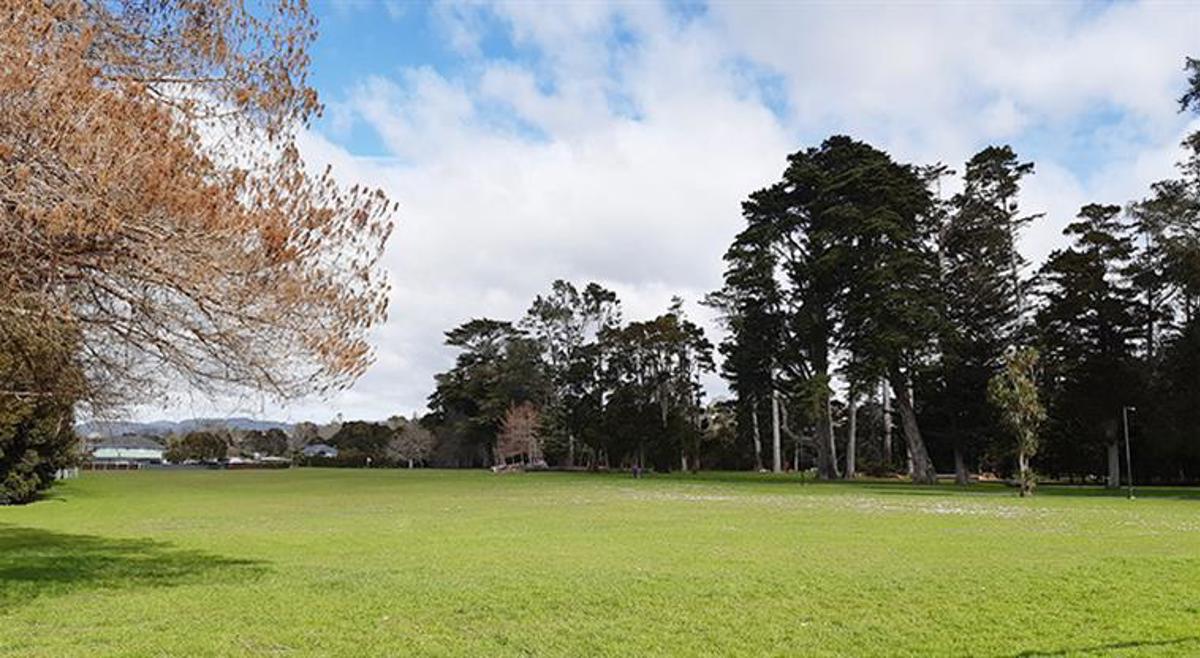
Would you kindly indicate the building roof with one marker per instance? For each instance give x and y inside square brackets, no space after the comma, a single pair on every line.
[128,441]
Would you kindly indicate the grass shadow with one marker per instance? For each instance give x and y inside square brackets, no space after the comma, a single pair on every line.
[1106,648]
[39,563]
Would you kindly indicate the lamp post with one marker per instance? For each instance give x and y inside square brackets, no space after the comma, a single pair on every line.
[1128,463]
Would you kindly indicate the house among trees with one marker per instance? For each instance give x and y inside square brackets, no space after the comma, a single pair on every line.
[127,451]
[320,450]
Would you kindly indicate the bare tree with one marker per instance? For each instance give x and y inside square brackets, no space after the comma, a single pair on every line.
[519,435]
[411,442]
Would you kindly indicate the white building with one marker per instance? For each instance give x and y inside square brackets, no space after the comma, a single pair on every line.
[131,448]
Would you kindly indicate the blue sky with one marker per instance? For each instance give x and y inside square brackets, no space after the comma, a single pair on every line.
[614,141]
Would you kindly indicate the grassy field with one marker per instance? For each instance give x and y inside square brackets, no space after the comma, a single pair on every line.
[328,562]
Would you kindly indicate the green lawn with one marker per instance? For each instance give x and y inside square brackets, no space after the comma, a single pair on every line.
[386,563]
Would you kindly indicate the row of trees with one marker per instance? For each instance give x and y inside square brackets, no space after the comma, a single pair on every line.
[604,391]
[856,267]
[397,442]
[860,301]
[216,444]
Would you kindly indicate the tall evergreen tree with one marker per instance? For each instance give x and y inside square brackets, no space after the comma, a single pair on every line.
[1168,281]
[565,323]
[1088,328]
[655,367]
[749,306]
[983,296]
[845,243]
[810,261]
[498,366]
[881,216]
[778,303]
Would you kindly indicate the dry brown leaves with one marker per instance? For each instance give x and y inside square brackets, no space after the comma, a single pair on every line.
[152,197]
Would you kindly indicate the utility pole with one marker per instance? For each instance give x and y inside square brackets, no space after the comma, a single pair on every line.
[1128,461]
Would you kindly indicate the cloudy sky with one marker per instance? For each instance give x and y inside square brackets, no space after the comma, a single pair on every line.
[529,141]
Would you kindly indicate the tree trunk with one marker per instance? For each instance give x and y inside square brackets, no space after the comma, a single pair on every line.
[961,475]
[758,462]
[826,467]
[1023,468]
[1114,466]
[922,467]
[851,435]
[826,453]
[833,455]
[887,425]
[908,390]
[410,463]
[797,440]
[777,445]
[570,451]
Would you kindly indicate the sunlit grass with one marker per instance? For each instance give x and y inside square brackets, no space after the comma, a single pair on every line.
[321,562]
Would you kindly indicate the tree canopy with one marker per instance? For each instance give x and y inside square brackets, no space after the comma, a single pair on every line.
[155,206]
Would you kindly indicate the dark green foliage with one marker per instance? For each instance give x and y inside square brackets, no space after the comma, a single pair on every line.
[203,446]
[1191,98]
[654,368]
[850,276]
[982,295]
[606,391]
[881,217]
[567,324]
[750,307]
[835,257]
[37,438]
[795,213]
[1088,328]
[38,387]
[271,443]
[361,443]
[498,366]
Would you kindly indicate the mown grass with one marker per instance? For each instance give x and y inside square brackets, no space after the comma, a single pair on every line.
[385,563]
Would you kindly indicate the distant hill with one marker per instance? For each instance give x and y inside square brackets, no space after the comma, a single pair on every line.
[165,427]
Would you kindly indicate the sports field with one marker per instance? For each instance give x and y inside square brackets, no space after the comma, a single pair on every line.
[392,562]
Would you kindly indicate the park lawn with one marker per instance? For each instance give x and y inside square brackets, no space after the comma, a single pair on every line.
[392,562]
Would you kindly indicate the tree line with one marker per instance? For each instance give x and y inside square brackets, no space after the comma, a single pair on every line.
[875,324]
[854,267]
[398,441]
[605,392]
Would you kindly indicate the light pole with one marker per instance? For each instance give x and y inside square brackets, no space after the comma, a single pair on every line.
[1128,463]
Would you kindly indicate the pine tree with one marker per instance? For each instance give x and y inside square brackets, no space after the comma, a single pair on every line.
[749,308]
[1088,328]
[981,281]
[882,219]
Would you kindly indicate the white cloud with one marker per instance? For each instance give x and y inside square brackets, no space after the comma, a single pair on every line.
[620,146]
